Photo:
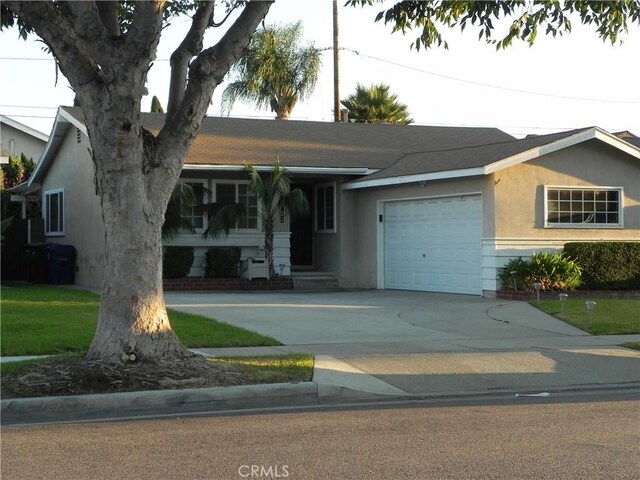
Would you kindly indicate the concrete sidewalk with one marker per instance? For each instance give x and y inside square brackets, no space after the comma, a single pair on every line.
[374,345]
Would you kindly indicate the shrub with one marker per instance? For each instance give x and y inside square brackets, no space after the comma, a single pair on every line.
[519,267]
[554,271]
[176,262]
[607,265]
[222,262]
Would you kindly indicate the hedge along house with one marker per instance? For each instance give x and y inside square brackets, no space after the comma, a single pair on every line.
[397,207]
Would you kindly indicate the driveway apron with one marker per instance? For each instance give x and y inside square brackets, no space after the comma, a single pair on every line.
[423,343]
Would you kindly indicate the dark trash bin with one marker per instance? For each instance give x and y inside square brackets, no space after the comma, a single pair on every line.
[61,264]
[36,260]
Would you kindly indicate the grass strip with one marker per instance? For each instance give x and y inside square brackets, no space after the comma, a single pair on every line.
[610,316]
[294,367]
[49,320]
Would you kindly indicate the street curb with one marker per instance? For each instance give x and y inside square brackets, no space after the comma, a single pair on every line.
[80,408]
[132,404]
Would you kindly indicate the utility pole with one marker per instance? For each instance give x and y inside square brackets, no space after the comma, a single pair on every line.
[336,76]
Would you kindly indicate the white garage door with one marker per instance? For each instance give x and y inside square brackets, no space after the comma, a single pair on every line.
[434,245]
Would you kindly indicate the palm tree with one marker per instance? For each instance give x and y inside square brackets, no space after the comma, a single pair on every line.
[376,105]
[274,71]
[222,217]
[274,192]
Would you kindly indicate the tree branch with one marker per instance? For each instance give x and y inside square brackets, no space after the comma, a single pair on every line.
[89,25]
[206,72]
[189,48]
[59,34]
[108,12]
[143,36]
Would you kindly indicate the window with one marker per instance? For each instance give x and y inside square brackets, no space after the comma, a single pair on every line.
[240,193]
[325,208]
[583,207]
[194,214]
[54,212]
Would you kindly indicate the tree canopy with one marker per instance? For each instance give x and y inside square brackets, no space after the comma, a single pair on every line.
[274,71]
[526,18]
[376,104]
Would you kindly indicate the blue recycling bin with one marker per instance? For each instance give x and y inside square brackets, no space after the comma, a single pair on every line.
[61,264]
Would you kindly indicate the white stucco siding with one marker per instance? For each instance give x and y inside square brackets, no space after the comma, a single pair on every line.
[74,173]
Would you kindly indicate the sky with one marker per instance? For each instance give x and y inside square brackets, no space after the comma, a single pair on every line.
[557,84]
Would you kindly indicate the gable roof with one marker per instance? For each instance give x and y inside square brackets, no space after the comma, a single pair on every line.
[377,154]
[224,141]
[23,128]
[483,159]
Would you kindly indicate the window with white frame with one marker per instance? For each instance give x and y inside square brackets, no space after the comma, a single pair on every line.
[227,193]
[54,212]
[326,208]
[193,214]
[583,207]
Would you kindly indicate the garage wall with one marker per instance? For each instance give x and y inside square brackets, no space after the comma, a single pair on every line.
[370,206]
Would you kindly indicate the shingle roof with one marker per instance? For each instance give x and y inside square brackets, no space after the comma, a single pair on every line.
[438,160]
[233,141]
[389,150]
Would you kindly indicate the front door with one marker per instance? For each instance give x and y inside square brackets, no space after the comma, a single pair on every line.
[302,233]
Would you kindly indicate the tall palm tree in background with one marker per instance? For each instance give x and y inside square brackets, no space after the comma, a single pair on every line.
[273,192]
[376,105]
[274,71]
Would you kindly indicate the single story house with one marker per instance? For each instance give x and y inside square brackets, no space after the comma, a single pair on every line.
[17,138]
[394,207]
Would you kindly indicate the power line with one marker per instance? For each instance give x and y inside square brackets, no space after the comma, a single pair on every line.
[427,72]
[488,85]
[30,116]
[28,106]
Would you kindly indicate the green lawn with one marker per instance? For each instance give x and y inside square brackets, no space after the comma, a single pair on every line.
[41,320]
[610,317]
[294,367]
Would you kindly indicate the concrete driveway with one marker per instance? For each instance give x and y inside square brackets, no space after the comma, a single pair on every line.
[385,316]
[415,343]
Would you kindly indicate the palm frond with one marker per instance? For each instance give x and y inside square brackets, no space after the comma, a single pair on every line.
[222,218]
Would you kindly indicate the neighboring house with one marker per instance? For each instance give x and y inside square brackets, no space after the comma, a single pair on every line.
[397,207]
[16,138]
[628,137]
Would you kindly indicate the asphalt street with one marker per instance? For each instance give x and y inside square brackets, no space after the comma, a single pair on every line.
[517,439]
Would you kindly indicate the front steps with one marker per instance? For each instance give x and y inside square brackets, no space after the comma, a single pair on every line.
[314,281]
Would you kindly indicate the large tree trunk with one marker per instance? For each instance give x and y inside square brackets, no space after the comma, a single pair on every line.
[132,321]
[135,171]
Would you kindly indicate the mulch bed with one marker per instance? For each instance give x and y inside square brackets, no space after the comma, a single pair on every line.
[80,376]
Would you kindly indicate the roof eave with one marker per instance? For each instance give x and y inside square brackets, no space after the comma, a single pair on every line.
[351,171]
[60,127]
[580,137]
[417,178]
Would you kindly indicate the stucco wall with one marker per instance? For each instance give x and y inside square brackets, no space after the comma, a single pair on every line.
[361,256]
[22,142]
[73,171]
[519,192]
